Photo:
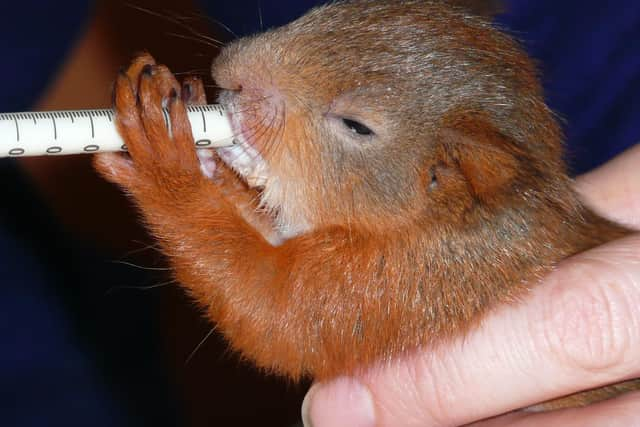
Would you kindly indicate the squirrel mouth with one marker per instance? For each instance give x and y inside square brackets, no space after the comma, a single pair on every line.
[243,157]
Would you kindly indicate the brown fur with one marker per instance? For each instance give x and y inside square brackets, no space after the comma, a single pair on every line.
[459,202]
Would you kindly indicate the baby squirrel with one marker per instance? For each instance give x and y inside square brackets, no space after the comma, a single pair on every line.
[397,176]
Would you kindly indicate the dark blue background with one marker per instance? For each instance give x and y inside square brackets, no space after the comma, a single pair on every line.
[65,358]
[588,53]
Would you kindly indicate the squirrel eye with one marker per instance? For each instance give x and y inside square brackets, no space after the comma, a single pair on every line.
[357,127]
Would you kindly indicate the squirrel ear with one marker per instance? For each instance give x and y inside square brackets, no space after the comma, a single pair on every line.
[485,8]
[484,156]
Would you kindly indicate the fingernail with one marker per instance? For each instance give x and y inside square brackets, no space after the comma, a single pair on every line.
[344,402]
[306,403]
[147,70]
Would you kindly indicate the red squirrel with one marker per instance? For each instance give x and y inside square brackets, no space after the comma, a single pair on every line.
[397,176]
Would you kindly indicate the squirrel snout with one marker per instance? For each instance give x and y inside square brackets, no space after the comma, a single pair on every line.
[238,66]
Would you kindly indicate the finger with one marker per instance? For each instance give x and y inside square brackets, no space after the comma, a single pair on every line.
[154,119]
[193,92]
[619,412]
[165,82]
[613,189]
[128,121]
[578,330]
[182,134]
[137,65]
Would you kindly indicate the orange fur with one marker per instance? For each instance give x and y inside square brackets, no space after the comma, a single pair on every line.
[457,202]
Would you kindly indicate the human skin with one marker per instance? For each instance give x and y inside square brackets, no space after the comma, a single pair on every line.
[575,331]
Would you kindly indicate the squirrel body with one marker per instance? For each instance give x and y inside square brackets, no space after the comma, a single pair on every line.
[397,177]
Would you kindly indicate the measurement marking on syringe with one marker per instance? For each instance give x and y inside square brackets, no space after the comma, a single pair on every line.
[93,131]
[54,150]
[55,128]
[204,121]
[17,129]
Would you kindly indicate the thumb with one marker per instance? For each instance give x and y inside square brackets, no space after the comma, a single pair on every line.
[343,402]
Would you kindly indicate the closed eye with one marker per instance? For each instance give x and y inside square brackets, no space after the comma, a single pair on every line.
[357,127]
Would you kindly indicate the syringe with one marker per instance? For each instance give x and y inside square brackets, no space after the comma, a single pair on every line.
[92,131]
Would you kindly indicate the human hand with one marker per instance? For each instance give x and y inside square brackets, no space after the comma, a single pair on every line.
[578,330]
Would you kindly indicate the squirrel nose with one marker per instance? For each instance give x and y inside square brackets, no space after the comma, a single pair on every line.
[232,67]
